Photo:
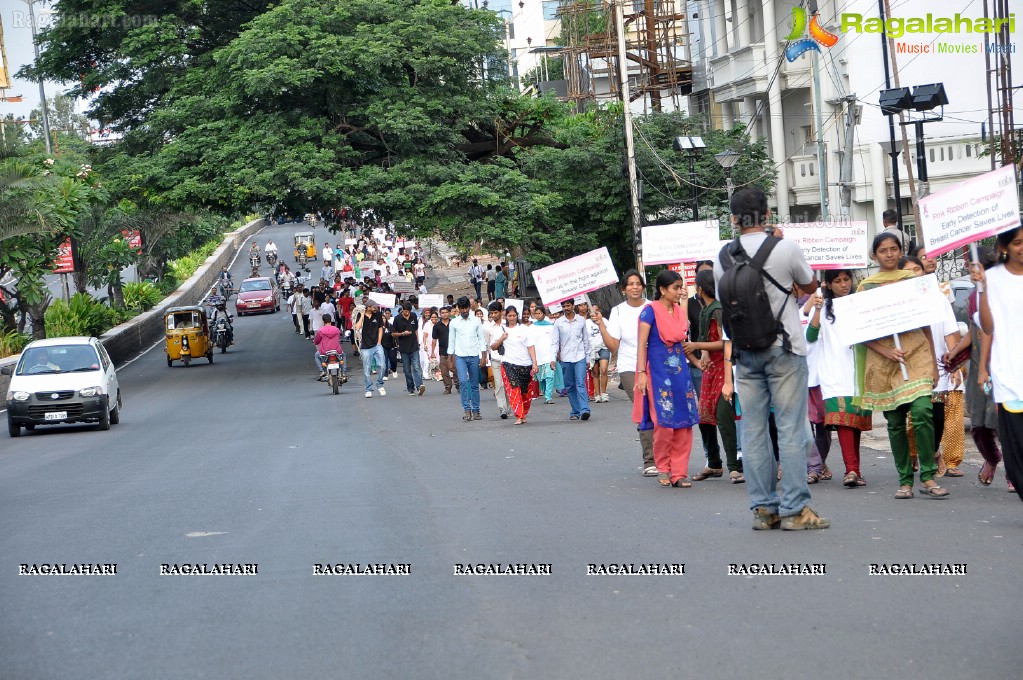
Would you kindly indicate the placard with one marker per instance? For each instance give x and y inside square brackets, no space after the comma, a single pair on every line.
[431,300]
[385,300]
[830,245]
[403,286]
[886,310]
[680,242]
[687,270]
[977,208]
[350,241]
[574,276]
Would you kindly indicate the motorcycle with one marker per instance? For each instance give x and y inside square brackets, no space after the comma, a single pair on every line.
[285,290]
[271,259]
[226,288]
[333,363]
[254,263]
[221,337]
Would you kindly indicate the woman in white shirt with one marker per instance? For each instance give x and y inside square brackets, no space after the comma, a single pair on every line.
[1001,315]
[600,356]
[621,334]
[518,363]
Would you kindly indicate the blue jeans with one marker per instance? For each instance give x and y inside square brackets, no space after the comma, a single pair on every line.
[413,370]
[764,378]
[574,373]
[468,369]
[368,355]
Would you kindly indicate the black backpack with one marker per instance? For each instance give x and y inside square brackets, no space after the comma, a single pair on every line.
[749,320]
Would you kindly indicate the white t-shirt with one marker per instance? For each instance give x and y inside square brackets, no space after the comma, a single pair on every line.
[938,333]
[541,337]
[623,325]
[491,332]
[838,379]
[1004,292]
[596,339]
[812,350]
[515,345]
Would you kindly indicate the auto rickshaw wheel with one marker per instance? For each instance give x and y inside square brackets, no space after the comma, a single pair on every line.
[186,358]
[209,355]
[170,362]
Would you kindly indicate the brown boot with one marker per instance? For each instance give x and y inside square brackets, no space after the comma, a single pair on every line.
[807,519]
[762,520]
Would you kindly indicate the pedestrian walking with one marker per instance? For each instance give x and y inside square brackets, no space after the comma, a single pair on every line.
[770,360]
[405,332]
[475,275]
[468,346]
[492,330]
[518,364]
[570,344]
[370,326]
[446,362]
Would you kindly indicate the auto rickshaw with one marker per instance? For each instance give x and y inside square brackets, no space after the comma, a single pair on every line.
[188,335]
[305,248]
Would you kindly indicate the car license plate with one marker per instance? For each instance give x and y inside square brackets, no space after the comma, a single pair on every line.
[56,415]
[253,304]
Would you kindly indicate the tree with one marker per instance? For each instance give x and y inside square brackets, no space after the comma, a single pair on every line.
[64,120]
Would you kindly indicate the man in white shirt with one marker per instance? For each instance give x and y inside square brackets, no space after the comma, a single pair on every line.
[326,254]
[492,330]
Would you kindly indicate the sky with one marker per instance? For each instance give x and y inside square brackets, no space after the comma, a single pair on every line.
[18,44]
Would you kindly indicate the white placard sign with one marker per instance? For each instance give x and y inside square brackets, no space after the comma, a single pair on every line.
[574,276]
[385,300]
[350,241]
[517,304]
[830,245]
[977,208]
[431,300]
[886,310]
[680,242]
[403,286]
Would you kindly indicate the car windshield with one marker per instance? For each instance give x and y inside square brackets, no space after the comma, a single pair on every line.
[58,359]
[262,284]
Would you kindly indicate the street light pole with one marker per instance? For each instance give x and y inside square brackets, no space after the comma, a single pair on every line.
[728,159]
[691,146]
[42,90]
[618,7]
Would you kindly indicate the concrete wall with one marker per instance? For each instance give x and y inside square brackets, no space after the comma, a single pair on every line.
[134,336]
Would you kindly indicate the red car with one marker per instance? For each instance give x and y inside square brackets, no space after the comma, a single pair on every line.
[257,294]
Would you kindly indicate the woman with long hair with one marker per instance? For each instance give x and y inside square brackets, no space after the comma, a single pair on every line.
[665,396]
[1001,304]
[518,363]
[837,379]
[881,385]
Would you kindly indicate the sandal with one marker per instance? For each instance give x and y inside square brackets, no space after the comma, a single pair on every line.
[826,474]
[664,478]
[736,477]
[986,479]
[940,462]
[954,472]
[707,472]
[934,491]
[904,492]
[682,483]
[852,480]
[518,421]
[813,477]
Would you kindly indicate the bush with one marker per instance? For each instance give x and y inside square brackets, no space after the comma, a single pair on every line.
[12,342]
[83,316]
[185,266]
[140,297]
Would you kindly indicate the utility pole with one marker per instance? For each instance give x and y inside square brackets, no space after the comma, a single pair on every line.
[846,169]
[905,137]
[822,166]
[42,90]
[630,145]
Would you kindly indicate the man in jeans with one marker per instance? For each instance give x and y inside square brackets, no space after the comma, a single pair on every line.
[405,332]
[570,343]
[775,376]
[469,347]
[492,330]
[371,326]
[440,350]
[475,275]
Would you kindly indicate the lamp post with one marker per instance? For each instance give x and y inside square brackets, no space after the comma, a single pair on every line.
[691,147]
[727,159]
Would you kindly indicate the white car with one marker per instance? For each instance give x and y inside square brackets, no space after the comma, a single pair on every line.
[62,380]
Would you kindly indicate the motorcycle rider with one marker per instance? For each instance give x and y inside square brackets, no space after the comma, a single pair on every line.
[254,258]
[271,248]
[220,312]
[327,338]
[225,281]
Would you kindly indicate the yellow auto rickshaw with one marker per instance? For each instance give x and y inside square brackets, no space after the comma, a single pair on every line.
[305,248]
[188,335]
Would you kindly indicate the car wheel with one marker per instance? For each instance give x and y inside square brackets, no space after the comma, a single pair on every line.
[115,415]
[12,429]
[104,419]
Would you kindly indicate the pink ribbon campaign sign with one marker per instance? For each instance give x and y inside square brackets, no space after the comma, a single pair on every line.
[575,276]
[830,245]
[680,242]
[980,207]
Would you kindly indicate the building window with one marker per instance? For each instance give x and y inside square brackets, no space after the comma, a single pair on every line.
[811,170]
[931,151]
[941,153]
[969,151]
[802,170]
[550,9]
[950,153]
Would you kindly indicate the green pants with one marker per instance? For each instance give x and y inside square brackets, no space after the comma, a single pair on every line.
[923,430]
[725,414]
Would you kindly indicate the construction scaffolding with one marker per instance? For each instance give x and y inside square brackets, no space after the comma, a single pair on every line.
[657,49]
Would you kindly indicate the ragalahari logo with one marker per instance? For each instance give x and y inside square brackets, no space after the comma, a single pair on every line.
[818,36]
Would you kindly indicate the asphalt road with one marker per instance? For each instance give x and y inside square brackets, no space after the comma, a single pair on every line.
[252,461]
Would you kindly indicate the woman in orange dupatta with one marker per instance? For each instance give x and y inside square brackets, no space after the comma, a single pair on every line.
[662,377]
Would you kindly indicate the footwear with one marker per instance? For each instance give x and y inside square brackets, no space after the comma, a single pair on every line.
[852,480]
[369,393]
[585,415]
[942,468]
[736,477]
[989,477]
[605,398]
[807,519]
[573,417]
[519,421]
[763,519]
[549,401]
[813,477]
[682,483]
[447,390]
[664,479]
[904,492]
[422,390]
[468,416]
[1012,487]
[381,391]
[504,416]
[650,471]
[708,472]
[411,393]
[386,377]
[826,474]
[954,472]
[476,415]
[934,491]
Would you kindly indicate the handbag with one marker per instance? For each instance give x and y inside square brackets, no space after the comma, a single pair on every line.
[956,362]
